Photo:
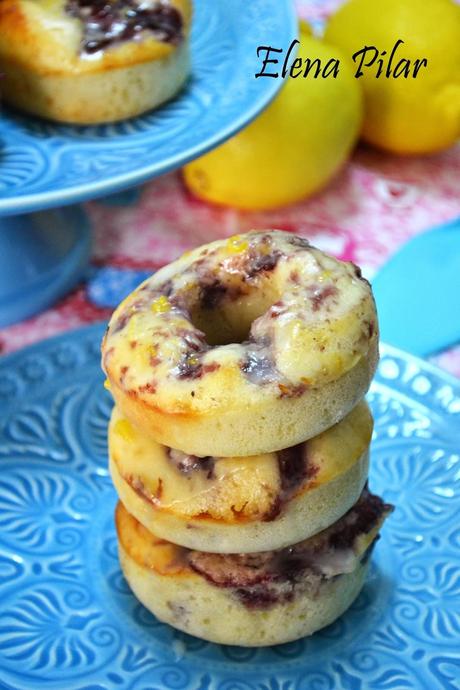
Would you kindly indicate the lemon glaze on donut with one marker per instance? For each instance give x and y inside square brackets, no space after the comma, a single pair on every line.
[241,504]
[243,346]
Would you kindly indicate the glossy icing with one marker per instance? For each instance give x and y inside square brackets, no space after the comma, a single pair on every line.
[107,23]
[235,489]
[53,37]
[264,310]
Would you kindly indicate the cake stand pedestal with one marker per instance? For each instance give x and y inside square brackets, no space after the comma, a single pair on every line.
[42,256]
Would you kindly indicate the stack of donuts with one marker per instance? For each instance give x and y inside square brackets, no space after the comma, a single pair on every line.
[239,442]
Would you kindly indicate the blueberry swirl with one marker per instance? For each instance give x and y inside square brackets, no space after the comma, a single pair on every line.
[108,22]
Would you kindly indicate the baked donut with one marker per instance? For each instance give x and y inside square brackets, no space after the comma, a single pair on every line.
[93,61]
[243,346]
[252,599]
[230,505]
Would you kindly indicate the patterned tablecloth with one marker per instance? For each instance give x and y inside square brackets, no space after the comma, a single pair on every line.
[375,204]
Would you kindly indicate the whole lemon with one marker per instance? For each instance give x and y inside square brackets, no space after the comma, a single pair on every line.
[405,114]
[293,148]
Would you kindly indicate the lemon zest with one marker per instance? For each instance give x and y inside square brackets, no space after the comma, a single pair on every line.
[161,305]
[324,275]
[236,244]
[124,429]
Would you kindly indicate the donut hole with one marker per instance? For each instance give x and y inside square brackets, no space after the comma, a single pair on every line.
[231,319]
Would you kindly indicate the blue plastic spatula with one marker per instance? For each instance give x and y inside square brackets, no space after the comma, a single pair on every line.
[418,292]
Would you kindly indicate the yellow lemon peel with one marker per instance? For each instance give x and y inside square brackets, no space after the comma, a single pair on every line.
[161,305]
[293,148]
[124,429]
[236,244]
[405,115]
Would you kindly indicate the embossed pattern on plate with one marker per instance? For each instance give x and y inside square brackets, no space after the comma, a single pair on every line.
[68,619]
[44,164]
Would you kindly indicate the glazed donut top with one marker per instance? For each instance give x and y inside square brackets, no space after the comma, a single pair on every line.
[237,319]
[58,36]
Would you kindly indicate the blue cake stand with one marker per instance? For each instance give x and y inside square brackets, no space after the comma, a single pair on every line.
[44,165]
[42,256]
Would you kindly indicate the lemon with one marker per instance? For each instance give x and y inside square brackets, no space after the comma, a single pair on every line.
[405,114]
[305,28]
[293,148]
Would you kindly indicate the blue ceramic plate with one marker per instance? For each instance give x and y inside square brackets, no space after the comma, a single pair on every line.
[44,164]
[68,620]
